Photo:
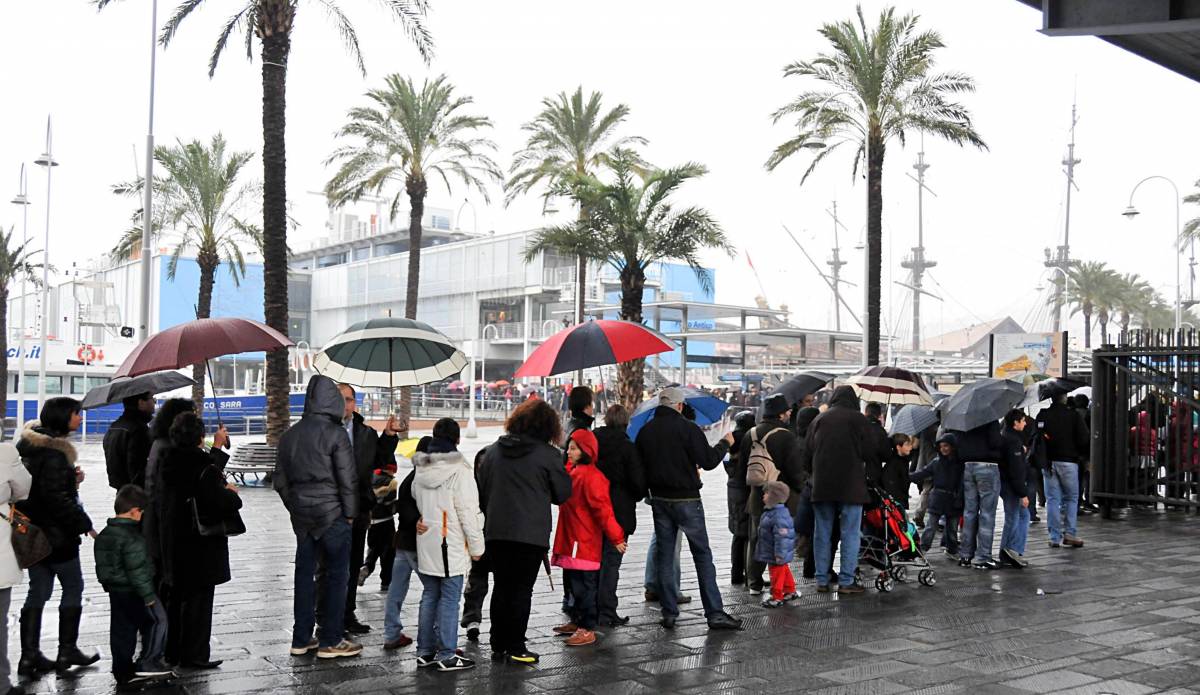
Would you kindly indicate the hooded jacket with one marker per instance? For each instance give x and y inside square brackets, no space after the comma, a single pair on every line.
[586,519]
[314,467]
[838,449]
[674,450]
[519,479]
[53,503]
[444,489]
[945,471]
[776,537]
[14,487]
[127,448]
[620,463]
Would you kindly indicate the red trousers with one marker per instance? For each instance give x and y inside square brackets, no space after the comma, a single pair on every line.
[782,582]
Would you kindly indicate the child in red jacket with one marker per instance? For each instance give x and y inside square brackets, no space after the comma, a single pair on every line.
[583,521]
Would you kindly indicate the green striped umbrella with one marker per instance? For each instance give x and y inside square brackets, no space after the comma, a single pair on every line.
[390,352]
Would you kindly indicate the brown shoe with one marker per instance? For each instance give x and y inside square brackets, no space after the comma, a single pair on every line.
[1072,542]
[399,643]
[651,597]
[851,589]
[581,638]
[567,629]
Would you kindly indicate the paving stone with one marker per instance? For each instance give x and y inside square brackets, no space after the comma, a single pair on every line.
[865,671]
[1051,681]
[998,663]
[1113,687]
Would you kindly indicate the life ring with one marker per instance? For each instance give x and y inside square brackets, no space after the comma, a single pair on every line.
[88,354]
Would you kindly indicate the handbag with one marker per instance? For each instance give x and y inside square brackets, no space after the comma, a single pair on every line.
[231,525]
[29,542]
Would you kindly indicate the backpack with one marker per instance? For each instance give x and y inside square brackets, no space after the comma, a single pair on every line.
[760,467]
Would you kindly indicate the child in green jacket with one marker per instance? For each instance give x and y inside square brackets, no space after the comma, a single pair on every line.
[124,568]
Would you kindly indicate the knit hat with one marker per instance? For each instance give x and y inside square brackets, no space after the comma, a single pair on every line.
[776,405]
[670,396]
[585,440]
[777,493]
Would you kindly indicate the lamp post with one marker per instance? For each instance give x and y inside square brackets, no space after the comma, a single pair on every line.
[483,372]
[148,187]
[1131,212]
[45,160]
[22,199]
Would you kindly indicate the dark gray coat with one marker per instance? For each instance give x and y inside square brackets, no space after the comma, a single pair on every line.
[839,448]
[314,469]
[519,478]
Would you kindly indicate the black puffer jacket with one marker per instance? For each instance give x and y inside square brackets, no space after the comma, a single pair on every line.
[618,460]
[519,479]
[1065,434]
[372,451]
[981,445]
[53,504]
[1015,466]
[673,451]
[127,448]
[314,468]
[839,448]
[192,561]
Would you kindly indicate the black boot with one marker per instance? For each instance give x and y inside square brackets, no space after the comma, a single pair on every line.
[32,662]
[68,634]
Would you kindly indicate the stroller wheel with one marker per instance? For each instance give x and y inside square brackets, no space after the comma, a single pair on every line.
[899,573]
[858,575]
[884,583]
[927,578]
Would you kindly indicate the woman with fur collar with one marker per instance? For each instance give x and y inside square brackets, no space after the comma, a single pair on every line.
[54,506]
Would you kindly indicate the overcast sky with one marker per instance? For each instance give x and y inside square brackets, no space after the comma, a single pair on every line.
[701,79]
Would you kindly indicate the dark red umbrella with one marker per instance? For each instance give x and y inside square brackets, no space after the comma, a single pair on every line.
[593,344]
[199,341]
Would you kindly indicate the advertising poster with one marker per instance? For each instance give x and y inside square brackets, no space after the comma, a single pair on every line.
[1017,355]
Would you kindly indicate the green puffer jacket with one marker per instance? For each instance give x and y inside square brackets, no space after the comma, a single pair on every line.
[122,560]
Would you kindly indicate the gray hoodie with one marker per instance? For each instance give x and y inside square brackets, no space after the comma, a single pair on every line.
[314,468]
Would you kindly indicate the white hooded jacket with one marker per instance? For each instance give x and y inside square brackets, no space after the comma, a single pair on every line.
[15,482]
[445,491]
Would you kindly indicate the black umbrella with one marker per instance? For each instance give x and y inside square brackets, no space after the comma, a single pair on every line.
[803,384]
[121,388]
[913,419]
[984,401]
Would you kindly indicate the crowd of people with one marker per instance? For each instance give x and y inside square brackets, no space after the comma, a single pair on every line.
[799,477]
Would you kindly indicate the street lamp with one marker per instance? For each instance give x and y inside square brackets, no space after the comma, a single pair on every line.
[1131,212]
[45,160]
[22,199]
[817,143]
[148,187]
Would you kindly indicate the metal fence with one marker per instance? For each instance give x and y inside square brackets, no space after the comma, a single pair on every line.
[1146,421]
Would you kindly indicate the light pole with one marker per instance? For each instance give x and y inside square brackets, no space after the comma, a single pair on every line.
[483,372]
[22,199]
[45,160]
[148,185]
[1131,212]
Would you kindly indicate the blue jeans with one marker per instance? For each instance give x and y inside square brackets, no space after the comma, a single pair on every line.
[41,583]
[129,617]
[334,546]
[849,518]
[437,630]
[981,490]
[651,574]
[1062,499]
[1016,521]
[669,519]
[941,506]
[402,568]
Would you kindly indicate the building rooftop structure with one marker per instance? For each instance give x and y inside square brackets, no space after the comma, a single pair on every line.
[971,341]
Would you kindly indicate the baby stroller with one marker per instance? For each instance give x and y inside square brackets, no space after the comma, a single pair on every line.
[889,544]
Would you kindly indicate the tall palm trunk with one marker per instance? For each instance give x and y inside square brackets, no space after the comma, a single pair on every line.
[416,187]
[274,27]
[208,262]
[1102,318]
[1087,328]
[631,376]
[4,350]
[875,152]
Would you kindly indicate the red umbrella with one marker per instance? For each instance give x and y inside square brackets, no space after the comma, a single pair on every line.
[593,344]
[199,341]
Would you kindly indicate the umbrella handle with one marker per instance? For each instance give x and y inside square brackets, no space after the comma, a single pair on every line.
[213,385]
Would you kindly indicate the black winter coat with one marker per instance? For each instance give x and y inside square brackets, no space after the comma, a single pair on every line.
[737,492]
[838,449]
[151,515]
[519,479]
[191,561]
[945,472]
[407,515]
[786,452]
[894,478]
[371,452]
[883,451]
[673,451]
[620,463]
[1015,466]
[53,504]
[981,445]
[314,468]
[127,449]
[1065,434]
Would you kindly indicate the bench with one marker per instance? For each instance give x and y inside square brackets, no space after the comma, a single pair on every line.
[257,459]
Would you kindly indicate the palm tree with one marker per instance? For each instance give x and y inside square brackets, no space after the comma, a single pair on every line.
[1134,297]
[201,197]
[875,85]
[271,22]
[1191,228]
[409,136]
[569,139]
[15,265]
[1090,287]
[632,223]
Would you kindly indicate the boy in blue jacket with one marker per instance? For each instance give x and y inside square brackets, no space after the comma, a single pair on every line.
[777,544]
[945,498]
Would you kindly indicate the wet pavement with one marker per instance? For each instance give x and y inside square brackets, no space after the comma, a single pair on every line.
[1121,615]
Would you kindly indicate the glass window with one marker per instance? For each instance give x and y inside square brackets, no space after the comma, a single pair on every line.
[54,384]
[439,221]
[362,254]
[390,248]
[78,387]
[331,260]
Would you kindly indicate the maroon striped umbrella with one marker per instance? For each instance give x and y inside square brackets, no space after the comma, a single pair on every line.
[890,385]
[594,344]
[199,341]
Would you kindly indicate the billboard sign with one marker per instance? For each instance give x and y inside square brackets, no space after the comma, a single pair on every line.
[1017,355]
